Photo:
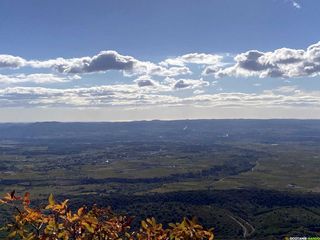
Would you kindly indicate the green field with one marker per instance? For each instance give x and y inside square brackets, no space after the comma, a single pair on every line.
[223,172]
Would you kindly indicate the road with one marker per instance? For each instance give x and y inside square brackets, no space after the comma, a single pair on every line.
[247,228]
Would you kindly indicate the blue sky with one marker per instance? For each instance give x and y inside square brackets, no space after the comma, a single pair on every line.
[169,59]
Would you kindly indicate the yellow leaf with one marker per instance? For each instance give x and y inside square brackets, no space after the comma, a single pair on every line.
[51,200]
[80,211]
[12,234]
[144,224]
[88,227]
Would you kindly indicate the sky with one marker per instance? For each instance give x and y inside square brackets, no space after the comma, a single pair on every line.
[124,60]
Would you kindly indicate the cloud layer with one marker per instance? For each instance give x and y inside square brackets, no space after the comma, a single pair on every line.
[280,63]
[38,78]
[102,62]
[174,81]
[133,95]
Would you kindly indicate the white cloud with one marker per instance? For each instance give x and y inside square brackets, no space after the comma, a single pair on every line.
[149,68]
[195,58]
[198,91]
[133,95]
[183,83]
[211,70]
[295,4]
[8,61]
[102,62]
[39,78]
[145,81]
[281,63]
[110,95]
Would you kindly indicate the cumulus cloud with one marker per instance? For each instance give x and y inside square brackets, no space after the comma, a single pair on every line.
[195,58]
[8,61]
[145,81]
[102,62]
[149,68]
[186,83]
[211,70]
[281,63]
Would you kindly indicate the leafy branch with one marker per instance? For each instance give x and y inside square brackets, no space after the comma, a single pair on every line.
[57,221]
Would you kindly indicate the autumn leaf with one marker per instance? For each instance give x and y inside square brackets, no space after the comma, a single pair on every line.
[26,199]
[51,200]
[90,223]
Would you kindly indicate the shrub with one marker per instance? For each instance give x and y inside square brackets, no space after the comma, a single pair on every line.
[57,221]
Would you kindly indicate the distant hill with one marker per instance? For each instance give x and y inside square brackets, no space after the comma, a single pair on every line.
[236,130]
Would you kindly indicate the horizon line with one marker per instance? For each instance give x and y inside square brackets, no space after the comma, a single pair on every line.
[163,120]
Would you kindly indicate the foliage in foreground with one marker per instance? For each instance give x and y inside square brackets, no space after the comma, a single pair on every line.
[57,221]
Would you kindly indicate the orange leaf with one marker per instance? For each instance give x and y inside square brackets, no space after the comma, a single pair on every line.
[26,199]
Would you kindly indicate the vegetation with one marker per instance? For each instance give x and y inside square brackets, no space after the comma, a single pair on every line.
[58,221]
[260,174]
